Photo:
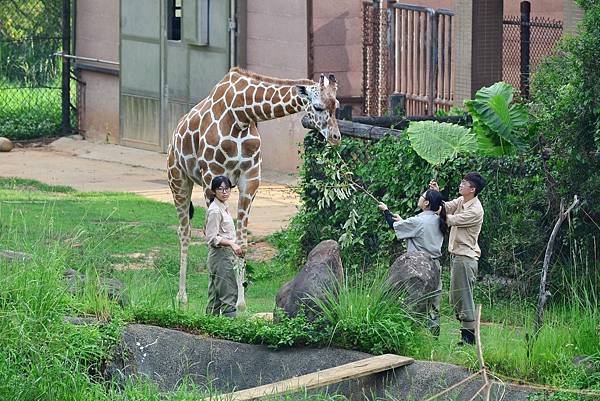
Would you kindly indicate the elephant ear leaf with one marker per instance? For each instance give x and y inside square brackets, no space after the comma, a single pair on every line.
[438,142]
[493,109]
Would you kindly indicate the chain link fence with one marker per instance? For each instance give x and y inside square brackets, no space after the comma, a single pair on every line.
[30,78]
[544,35]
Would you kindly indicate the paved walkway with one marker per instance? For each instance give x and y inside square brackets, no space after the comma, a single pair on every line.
[88,166]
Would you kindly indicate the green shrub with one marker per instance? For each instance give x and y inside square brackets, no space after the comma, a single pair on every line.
[566,109]
[515,229]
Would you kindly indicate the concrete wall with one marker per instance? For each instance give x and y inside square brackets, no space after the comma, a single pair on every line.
[476,41]
[97,36]
[277,45]
[572,15]
[337,43]
[552,9]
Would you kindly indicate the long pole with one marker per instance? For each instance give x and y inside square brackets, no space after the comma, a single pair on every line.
[66,68]
[525,40]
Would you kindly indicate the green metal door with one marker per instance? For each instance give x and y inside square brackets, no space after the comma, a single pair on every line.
[172,54]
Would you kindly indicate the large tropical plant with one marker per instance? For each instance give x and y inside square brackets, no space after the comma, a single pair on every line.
[497,128]
[497,122]
[439,142]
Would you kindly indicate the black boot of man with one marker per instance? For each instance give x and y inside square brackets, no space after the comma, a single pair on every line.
[467,336]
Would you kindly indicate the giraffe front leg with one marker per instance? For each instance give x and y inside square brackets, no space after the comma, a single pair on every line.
[181,188]
[247,190]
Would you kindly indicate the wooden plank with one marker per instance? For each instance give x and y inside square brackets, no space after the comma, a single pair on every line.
[322,378]
[358,130]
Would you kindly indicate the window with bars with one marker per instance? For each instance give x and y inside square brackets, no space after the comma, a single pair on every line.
[174,11]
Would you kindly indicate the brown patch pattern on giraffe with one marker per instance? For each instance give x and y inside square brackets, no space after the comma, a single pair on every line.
[219,136]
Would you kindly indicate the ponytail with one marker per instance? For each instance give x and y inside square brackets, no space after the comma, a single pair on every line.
[442,214]
[436,204]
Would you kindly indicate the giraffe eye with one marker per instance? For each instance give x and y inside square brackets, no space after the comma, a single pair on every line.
[319,107]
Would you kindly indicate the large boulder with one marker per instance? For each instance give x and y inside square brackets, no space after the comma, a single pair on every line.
[115,289]
[169,357]
[415,274]
[5,144]
[322,272]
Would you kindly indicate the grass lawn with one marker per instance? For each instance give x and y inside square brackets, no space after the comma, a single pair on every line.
[117,235]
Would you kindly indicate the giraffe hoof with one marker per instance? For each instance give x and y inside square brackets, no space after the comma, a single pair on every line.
[241,307]
[181,299]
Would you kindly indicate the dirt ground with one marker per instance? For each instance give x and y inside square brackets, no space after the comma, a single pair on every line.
[88,166]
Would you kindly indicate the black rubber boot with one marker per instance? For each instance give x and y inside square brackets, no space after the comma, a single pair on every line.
[467,336]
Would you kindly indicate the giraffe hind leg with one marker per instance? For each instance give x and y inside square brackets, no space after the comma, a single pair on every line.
[181,188]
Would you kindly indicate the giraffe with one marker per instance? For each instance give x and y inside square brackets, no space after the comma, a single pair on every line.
[219,136]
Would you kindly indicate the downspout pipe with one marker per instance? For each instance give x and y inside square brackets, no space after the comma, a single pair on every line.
[232,33]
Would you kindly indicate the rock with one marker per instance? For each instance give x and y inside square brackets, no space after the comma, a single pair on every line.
[6,144]
[81,320]
[168,356]
[115,290]
[322,270]
[414,274]
[504,287]
[587,362]
[13,256]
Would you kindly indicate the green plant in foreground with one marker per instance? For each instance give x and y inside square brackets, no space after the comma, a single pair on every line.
[369,316]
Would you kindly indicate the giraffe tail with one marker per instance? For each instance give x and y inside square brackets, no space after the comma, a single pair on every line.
[191,210]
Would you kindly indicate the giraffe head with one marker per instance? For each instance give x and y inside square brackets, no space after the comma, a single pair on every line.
[320,106]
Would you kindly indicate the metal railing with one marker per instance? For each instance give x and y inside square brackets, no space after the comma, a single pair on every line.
[407,49]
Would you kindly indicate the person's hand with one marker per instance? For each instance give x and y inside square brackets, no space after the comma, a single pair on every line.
[434,185]
[396,217]
[237,249]
[382,206]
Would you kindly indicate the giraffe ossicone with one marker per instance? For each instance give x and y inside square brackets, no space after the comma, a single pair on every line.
[219,136]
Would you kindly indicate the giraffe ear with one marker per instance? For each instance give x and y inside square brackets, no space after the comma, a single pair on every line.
[302,91]
[323,80]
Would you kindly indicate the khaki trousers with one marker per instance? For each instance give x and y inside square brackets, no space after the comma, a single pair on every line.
[222,284]
[463,272]
[433,303]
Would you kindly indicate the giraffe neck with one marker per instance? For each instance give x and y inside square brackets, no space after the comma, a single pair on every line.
[263,101]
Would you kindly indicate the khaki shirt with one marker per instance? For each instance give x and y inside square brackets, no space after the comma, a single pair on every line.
[465,220]
[422,233]
[219,224]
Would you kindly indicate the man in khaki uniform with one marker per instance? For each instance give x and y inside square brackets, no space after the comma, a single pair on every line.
[464,216]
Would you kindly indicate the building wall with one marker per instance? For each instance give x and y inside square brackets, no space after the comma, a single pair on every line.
[572,15]
[276,45]
[552,9]
[97,36]
[337,44]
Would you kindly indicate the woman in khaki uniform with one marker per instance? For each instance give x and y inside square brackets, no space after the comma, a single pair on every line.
[223,251]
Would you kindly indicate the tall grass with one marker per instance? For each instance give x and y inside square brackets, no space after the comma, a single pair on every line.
[368,315]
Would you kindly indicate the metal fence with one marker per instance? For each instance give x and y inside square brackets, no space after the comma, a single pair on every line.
[375,84]
[526,41]
[406,50]
[31,85]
